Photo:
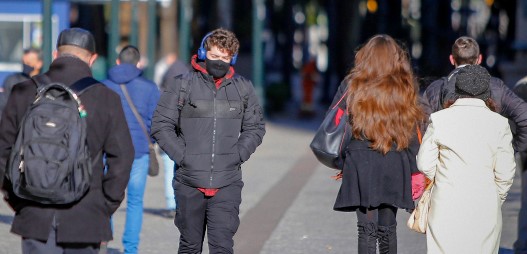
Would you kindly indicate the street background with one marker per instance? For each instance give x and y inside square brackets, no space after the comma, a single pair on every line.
[286,209]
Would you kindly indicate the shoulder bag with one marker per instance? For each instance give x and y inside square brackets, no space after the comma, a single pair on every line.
[332,137]
[418,220]
[153,167]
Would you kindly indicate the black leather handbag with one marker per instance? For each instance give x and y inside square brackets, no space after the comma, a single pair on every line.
[332,137]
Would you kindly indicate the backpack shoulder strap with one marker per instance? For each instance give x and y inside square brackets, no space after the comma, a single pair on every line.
[83,84]
[242,90]
[78,87]
[184,93]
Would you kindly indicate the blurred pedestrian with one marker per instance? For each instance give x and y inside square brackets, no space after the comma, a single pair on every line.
[176,68]
[81,226]
[126,80]
[209,122]
[520,245]
[472,168]
[380,159]
[310,78]
[31,66]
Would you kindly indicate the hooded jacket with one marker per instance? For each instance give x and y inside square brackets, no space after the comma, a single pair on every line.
[508,104]
[218,133]
[144,94]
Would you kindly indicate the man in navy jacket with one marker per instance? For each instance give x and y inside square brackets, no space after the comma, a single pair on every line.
[144,95]
[465,51]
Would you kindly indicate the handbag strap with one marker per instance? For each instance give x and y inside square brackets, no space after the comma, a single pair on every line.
[338,102]
[136,114]
[419,135]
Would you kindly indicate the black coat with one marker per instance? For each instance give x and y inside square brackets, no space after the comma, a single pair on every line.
[9,82]
[87,220]
[217,135]
[509,104]
[371,179]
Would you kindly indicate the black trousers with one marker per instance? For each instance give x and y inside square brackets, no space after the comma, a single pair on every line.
[32,246]
[218,215]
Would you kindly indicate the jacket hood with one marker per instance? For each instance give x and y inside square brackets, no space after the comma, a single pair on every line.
[124,73]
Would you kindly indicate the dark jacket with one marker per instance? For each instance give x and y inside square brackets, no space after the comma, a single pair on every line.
[7,86]
[175,69]
[217,135]
[509,104]
[87,220]
[144,94]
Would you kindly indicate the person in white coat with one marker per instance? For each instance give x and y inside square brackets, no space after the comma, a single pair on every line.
[467,151]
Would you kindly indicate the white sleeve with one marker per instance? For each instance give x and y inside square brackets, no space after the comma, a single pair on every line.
[505,166]
[428,155]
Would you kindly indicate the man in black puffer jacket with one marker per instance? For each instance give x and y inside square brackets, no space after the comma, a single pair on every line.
[209,122]
[465,51]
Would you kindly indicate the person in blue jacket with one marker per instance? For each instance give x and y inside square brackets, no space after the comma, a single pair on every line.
[144,95]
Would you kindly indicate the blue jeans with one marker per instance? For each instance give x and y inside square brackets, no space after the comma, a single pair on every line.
[170,171]
[134,204]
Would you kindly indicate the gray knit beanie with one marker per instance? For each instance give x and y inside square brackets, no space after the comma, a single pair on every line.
[473,81]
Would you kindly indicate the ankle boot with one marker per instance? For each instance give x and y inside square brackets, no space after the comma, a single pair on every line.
[387,239]
[367,238]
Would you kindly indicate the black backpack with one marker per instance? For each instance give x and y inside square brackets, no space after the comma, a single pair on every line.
[50,161]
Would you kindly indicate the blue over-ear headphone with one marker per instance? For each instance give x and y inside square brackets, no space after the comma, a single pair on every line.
[202,52]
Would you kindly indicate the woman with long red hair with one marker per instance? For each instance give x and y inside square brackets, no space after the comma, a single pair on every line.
[384,114]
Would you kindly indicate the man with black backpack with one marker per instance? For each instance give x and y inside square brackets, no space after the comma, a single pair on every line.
[209,122]
[465,51]
[51,151]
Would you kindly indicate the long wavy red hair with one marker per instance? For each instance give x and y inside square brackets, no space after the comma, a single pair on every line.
[382,95]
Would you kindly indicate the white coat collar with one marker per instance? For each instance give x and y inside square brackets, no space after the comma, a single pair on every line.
[469,102]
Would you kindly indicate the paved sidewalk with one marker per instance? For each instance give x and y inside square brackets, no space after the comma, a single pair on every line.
[287,206]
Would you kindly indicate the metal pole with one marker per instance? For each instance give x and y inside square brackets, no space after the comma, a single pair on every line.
[258,70]
[185,16]
[114,33]
[152,28]
[134,35]
[46,33]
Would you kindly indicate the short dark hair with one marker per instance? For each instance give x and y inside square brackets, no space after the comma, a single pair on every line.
[33,51]
[130,55]
[224,40]
[465,51]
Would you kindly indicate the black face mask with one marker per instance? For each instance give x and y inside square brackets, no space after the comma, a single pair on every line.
[217,68]
[27,69]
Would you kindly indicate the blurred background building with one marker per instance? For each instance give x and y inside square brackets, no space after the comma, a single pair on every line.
[277,36]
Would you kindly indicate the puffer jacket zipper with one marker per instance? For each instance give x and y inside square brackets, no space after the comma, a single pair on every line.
[213,138]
